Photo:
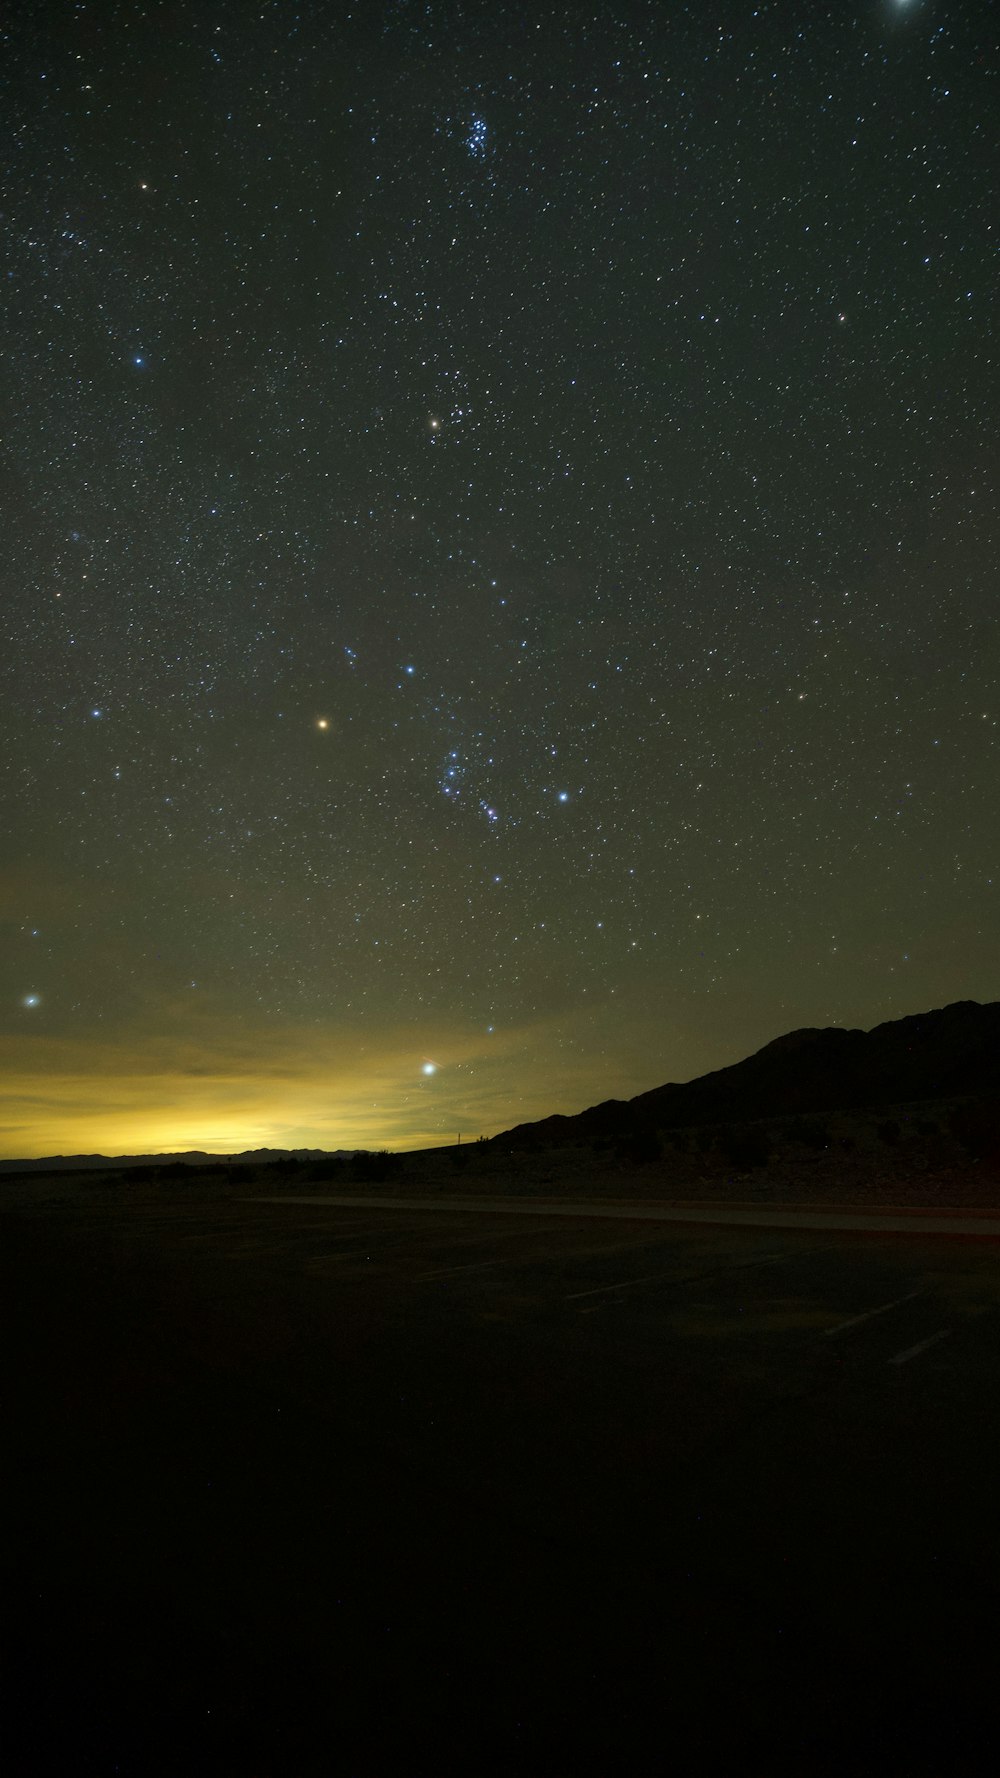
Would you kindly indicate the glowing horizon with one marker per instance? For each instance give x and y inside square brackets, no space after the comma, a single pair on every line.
[220,1086]
[295,1091]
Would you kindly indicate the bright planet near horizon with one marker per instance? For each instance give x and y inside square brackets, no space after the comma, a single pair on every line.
[592,419]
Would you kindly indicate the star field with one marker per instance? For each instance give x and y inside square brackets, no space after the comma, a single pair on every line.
[501,524]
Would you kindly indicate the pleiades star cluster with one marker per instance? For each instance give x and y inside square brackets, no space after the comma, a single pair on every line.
[500,533]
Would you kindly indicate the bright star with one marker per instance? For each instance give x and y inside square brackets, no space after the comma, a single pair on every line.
[322,722]
[429,1068]
[31,1000]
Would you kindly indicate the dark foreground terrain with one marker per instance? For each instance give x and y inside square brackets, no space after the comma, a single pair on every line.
[304,1489]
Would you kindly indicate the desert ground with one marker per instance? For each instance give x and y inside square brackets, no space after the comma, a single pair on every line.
[297,1488]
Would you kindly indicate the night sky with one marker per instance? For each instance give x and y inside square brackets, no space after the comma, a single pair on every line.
[498,594]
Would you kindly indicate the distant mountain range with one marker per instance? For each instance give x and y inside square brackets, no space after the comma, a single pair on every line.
[192,1157]
[950,1053]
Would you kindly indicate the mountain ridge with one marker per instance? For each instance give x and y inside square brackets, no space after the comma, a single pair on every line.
[949,1052]
[190,1157]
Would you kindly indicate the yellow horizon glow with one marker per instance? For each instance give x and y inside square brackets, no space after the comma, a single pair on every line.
[285,1089]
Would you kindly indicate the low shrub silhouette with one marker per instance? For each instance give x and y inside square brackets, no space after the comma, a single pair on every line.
[811,1133]
[976,1125]
[368,1168]
[888,1132]
[174,1172]
[286,1166]
[333,1167]
[640,1147]
[745,1146]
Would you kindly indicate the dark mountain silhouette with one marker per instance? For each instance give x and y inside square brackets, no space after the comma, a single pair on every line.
[949,1053]
[193,1157]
